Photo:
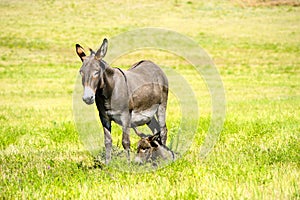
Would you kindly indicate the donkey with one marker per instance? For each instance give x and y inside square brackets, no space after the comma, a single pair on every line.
[151,149]
[130,98]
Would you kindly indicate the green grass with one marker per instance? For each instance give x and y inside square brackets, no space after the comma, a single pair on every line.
[256,50]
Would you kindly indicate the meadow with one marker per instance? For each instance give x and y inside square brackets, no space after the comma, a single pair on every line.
[255,49]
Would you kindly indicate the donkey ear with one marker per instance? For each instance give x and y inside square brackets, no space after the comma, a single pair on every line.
[102,50]
[80,52]
[155,140]
[156,136]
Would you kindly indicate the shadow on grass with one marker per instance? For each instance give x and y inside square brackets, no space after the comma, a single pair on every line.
[119,162]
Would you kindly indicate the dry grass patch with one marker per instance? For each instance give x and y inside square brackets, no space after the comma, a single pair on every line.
[268,3]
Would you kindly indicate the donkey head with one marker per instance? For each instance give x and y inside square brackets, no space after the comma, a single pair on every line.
[91,71]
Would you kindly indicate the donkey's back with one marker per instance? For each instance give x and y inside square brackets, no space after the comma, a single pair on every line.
[146,72]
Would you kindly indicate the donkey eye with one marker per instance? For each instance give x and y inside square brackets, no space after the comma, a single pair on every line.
[96,73]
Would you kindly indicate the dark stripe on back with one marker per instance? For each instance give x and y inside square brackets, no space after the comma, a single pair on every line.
[136,64]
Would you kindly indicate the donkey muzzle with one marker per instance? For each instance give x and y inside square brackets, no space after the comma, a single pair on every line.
[88,96]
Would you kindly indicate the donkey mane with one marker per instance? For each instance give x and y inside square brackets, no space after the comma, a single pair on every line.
[109,71]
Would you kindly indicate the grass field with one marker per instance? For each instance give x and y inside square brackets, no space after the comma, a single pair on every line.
[256,50]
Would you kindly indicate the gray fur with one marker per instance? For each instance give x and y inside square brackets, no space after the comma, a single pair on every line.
[131,98]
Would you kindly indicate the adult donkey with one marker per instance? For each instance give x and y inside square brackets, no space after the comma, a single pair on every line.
[130,98]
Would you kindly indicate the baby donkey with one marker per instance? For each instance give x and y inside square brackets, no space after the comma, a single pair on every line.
[151,149]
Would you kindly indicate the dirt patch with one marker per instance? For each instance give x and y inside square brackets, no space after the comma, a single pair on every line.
[268,3]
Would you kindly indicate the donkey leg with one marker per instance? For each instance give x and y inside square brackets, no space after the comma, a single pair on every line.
[107,139]
[161,116]
[154,125]
[126,141]
[125,135]
[108,145]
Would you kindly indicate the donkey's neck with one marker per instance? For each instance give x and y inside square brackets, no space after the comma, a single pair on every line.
[108,81]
